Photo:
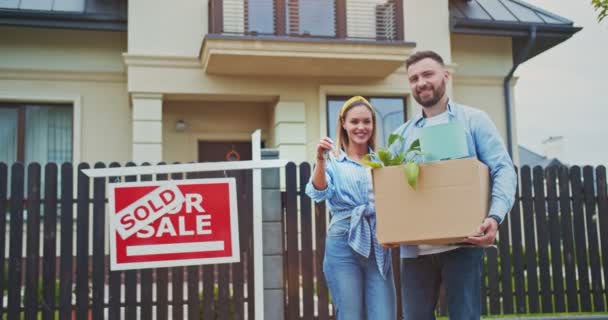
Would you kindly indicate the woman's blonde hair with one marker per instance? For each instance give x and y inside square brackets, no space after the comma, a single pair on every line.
[342,135]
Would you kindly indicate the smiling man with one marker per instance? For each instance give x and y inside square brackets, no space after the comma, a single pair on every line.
[424,267]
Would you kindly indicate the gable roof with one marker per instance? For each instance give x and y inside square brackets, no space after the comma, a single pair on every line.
[513,18]
[530,158]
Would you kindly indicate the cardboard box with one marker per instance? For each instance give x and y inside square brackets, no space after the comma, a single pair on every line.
[450,202]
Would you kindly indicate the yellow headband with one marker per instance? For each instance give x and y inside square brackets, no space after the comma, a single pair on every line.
[351,101]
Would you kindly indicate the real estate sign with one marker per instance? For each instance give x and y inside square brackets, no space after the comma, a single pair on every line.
[173,223]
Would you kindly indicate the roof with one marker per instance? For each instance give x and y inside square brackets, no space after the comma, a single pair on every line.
[530,158]
[513,18]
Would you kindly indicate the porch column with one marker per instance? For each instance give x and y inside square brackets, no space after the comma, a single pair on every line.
[290,130]
[274,293]
[147,127]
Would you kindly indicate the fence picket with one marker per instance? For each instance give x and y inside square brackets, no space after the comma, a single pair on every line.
[530,242]
[177,279]
[49,242]
[223,293]
[32,242]
[542,232]
[115,277]
[15,242]
[592,238]
[568,240]
[146,276]
[306,258]
[99,235]
[518,254]
[504,249]
[494,294]
[162,278]
[3,207]
[131,275]
[66,242]
[580,241]
[320,232]
[555,239]
[602,208]
[291,218]
[82,244]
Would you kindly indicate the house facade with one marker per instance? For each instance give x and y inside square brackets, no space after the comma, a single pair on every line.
[150,80]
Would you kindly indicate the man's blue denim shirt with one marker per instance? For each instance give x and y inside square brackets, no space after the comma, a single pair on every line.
[485,143]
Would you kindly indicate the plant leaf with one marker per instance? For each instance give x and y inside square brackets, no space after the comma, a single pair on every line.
[414,146]
[385,156]
[394,137]
[368,161]
[371,164]
[397,160]
[411,173]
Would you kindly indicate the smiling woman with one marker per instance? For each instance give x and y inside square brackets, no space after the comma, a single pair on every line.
[358,270]
[390,114]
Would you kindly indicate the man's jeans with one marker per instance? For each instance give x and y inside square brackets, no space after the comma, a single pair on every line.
[356,286]
[460,271]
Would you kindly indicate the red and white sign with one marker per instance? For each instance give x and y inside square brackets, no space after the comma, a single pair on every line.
[173,223]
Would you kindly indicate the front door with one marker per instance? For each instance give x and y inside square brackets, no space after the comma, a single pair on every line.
[224,151]
[241,272]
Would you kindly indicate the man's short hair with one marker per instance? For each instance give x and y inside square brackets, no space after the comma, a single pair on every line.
[423,55]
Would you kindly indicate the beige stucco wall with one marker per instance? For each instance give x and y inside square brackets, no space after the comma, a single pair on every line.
[210,121]
[427,23]
[481,64]
[83,68]
[172,28]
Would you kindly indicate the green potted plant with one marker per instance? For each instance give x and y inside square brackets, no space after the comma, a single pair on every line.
[385,158]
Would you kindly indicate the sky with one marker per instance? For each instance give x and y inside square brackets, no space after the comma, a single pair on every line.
[564,91]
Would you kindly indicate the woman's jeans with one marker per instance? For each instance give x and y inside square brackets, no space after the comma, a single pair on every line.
[356,286]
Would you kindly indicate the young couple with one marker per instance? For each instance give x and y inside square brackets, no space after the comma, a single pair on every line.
[357,268]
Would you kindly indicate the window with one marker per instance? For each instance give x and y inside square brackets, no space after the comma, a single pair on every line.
[390,114]
[35,133]
[311,17]
[44,5]
[259,16]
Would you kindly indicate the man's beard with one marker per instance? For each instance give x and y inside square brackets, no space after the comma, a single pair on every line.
[437,95]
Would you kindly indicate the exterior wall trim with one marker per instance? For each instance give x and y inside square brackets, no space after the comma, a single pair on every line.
[132,59]
[482,80]
[145,95]
[41,74]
